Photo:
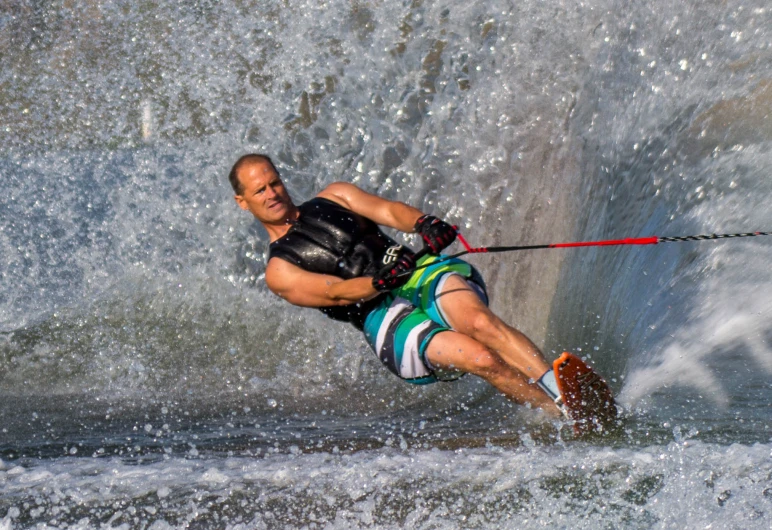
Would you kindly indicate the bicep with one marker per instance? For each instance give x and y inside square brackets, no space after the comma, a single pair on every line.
[299,287]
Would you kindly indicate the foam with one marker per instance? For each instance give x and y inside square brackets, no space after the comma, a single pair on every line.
[682,483]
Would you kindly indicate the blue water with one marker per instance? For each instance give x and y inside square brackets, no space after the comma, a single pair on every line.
[148,379]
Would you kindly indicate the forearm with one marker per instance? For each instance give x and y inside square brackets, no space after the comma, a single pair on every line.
[351,291]
[402,217]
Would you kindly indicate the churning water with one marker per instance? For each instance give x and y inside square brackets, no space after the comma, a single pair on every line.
[149,380]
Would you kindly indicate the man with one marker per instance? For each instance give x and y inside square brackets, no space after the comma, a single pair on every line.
[425,325]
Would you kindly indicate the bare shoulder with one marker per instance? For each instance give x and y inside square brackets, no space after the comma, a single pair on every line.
[343,193]
[355,199]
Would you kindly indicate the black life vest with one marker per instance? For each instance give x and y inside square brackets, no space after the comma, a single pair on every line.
[330,239]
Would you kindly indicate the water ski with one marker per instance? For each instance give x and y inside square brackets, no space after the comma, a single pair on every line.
[586,396]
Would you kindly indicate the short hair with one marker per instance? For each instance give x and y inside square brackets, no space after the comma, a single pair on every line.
[250,158]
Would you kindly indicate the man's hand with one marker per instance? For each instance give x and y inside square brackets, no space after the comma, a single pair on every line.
[437,233]
[395,275]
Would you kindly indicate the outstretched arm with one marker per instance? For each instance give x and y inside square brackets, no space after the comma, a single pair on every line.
[436,233]
[309,289]
[384,212]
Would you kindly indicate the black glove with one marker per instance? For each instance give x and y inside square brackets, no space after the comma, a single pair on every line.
[437,233]
[394,275]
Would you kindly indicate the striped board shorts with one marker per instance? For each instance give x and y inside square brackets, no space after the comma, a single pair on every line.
[400,327]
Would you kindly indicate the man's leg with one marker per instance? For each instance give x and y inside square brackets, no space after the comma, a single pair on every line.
[451,350]
[467,314]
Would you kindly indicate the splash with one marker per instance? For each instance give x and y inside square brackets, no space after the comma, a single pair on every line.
[727,329]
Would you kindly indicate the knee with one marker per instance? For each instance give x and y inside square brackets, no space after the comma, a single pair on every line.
[484,363]
[484,324]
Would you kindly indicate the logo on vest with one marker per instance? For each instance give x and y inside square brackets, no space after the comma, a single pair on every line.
[392,254]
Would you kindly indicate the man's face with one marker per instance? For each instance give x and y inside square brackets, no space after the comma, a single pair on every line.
[263,193]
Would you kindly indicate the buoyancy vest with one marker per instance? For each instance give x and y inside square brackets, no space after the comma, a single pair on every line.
[328,238]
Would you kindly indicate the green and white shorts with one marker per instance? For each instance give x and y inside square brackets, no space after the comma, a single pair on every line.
[400,327]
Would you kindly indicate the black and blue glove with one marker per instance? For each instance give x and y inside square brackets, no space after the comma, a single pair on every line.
[437,234]
[396,274]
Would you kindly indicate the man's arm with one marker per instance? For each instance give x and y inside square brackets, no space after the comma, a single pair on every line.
[308,289]
[436,233]
[384,212]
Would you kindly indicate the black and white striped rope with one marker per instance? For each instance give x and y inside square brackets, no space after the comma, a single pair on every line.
[709,236]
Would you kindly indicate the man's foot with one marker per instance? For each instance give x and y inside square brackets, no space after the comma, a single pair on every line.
[585,395]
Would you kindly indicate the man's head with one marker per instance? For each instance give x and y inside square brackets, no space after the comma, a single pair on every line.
[259,190]
[245,160]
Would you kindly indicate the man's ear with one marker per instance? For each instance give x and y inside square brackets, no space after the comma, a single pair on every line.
[241,202]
